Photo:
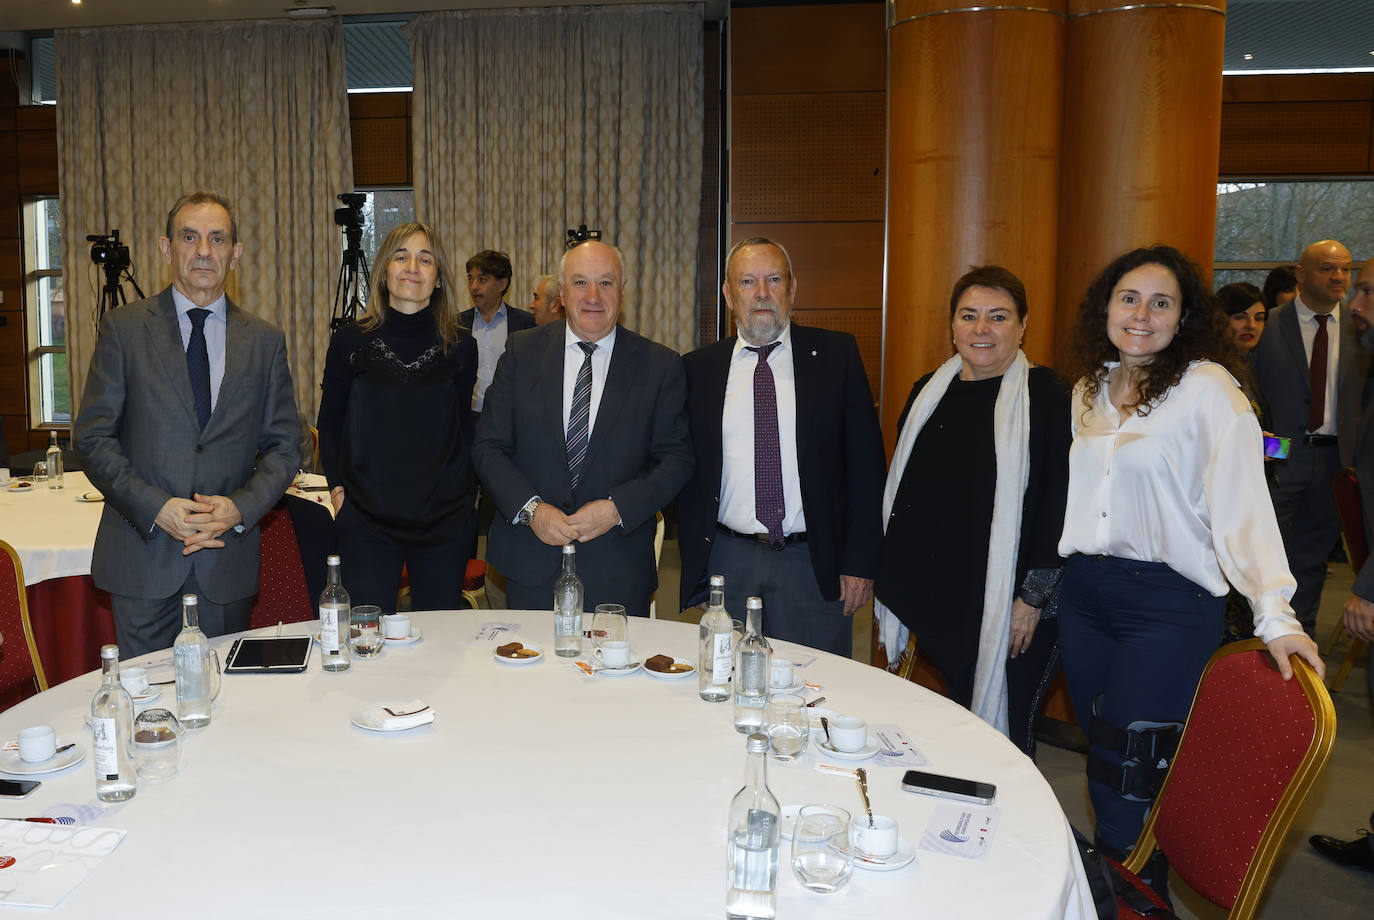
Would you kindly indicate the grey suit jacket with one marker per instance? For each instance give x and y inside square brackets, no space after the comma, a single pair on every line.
[142,445]
[1280,365]
[638,455]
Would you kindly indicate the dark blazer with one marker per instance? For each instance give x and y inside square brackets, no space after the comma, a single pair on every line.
[516,318]
[839,457]
[1364,474]
[142,445]
[1280,369]
[638,456]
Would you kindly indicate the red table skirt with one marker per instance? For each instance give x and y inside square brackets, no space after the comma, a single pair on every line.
[71,620]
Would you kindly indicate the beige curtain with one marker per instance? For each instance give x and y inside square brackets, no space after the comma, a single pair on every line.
[528,122]
[257,111]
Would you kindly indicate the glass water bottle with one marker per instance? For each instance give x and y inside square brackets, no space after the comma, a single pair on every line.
[191,659]
[754,829]
[716,662]
[54,462]
[567,607]
[334,610]
[112,728]
[754,662]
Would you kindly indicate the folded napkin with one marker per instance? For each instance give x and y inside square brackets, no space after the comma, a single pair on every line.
[388,722]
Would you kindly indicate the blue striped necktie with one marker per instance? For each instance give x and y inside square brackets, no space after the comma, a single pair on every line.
[580,415]
[198,364]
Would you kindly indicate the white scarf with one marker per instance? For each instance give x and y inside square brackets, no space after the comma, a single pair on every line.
[1011,439]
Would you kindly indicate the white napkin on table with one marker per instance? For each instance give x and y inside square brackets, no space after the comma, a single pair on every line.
[389,722]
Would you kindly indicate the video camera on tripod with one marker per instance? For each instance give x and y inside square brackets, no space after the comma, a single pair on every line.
[350,292]
[112,256]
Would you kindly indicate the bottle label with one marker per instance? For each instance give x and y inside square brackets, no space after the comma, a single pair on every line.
[329,630]
[105,738]
[722,657]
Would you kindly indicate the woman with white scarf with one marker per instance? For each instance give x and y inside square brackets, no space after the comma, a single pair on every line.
[973,509]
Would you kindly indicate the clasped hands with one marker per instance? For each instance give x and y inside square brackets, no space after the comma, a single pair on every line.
[590,521]
[198,523]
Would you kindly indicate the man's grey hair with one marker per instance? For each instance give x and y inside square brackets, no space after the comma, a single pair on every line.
[758,241]
[203,197]
[563,260]
[539,282]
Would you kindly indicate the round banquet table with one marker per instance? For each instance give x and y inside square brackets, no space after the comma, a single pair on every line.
[536,792]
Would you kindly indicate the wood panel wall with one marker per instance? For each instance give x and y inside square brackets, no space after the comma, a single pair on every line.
[808,138]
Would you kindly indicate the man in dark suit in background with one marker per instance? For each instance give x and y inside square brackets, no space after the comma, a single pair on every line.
[583,440]
[188,426]
[491,319]
[1311,369]
[785,500]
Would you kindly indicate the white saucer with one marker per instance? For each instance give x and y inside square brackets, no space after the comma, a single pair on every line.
[90,497]
[795,688]
[904,856]
[10,761]
[415,636]
[816,713]
[673,675]
[517,662]
[363,718]
[20,486]
[152,696]
[867,751]
[602,671]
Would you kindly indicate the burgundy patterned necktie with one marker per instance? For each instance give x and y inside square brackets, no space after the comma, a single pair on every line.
[769,505]
[1316,381]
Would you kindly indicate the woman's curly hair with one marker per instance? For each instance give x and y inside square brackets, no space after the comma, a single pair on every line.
[1204,332]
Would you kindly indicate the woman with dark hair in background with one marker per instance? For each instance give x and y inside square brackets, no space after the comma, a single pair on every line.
[1244,306]
[973,509]
[1166,505]
[396,430]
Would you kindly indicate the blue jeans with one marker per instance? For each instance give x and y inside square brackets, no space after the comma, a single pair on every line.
[1137,635]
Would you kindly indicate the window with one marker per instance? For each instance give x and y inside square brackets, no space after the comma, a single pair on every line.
[384,211]
[377,57]
[50,402]
[1262,225]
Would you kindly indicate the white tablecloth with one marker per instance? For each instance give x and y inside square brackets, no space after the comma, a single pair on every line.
[537,792]
[51,529]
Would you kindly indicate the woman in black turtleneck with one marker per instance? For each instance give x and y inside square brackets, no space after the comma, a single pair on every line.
[396,431]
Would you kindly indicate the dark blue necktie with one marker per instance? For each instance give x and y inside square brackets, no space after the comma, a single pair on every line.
[198,364]
[580,414]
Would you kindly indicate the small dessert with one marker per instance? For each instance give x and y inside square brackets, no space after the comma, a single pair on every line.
[666,665]
[516,650]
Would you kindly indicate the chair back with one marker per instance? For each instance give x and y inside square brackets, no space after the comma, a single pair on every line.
[282,595]
[21,670]
[1253,746]
[1345,489]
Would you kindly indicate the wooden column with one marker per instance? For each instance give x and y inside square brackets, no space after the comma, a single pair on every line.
[1142,129]
[974,130]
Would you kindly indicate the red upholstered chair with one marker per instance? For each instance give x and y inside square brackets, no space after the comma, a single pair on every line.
[282,595]
[1345,489]
[1253,746]
[475,583]
[21,670]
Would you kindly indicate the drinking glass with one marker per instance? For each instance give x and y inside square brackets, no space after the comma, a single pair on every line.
[789,725]
[40,471]
[365,627]
[822,856]
[157,744]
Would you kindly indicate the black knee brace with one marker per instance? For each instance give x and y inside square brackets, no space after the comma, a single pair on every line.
[1146,748]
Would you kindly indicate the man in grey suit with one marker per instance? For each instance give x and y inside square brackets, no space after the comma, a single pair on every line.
[188,426]
[1312,371]
[583,440]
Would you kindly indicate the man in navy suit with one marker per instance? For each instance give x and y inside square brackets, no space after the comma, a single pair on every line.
[491,319]
[785,500]
[1312,337]
[583,440]
[188,426]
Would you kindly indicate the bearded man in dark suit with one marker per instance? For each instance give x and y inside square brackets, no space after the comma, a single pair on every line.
[786,497]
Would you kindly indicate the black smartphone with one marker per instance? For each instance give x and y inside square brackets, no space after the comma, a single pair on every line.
[949,787]
[18,788]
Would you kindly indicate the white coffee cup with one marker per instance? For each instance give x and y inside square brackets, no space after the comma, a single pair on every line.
[878,840]
[782,675]
[37,744]
[135,680]
[613,653]
[396,626]
[848,734]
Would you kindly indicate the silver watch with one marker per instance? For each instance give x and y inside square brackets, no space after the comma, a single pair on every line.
[526,513]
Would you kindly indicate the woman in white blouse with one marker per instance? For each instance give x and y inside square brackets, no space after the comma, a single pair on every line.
[1166,505]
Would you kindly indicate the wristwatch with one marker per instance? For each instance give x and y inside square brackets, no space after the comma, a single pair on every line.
[526,513]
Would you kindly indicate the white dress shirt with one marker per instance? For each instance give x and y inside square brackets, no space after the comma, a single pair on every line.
[1307,325]
[491,344]
[737,439]
[1183,485]
[573,356]
[215,325]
